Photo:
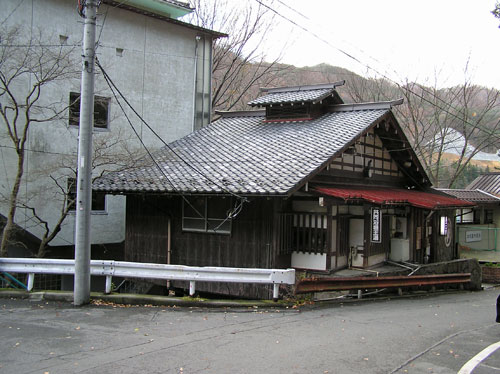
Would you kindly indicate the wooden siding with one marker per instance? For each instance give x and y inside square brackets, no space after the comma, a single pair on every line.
[146,235]
[250,244]
[442,251]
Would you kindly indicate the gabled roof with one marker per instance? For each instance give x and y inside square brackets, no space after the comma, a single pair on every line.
[297,94]
[489,182]
[241,153]
[475,196]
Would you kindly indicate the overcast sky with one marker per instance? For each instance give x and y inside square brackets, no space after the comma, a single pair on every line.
[401,39]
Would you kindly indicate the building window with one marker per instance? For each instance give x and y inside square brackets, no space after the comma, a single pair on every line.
[467,216]
[202,87]
[101,110]
[206,214]
[98,198]
[488,216]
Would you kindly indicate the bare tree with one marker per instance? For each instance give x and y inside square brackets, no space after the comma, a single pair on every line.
[449,126]
[496,11]
[111,152]
[29,66]
[239,65]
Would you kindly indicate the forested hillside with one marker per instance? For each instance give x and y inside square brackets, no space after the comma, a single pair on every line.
[431,116]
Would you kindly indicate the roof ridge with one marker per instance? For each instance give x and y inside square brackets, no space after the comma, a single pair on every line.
[487,193]
[320,86]
[365,106]
[241,113]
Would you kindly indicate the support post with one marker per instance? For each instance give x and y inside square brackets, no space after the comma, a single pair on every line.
[276,291]
[31,280]
[192,288]
[108,284]
[84,171]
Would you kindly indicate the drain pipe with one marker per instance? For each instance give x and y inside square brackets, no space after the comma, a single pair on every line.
[196,41]
[169,246]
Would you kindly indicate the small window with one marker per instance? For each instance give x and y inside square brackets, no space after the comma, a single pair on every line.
[98,198]
[101,110]
[206,214]
[488,216]
[466,216]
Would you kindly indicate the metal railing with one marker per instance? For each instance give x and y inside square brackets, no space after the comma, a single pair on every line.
[110,268]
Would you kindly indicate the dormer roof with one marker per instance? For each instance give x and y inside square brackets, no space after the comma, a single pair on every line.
[298,94]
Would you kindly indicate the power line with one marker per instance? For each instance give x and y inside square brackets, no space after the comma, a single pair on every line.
[349,55]
[37,151]
[12,12]
[231,214]
[161,139]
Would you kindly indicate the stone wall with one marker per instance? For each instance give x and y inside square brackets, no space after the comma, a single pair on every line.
[491,274]
[456,266]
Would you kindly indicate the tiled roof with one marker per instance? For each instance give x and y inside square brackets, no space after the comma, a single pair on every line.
[178,3]
[475,196]
[240,153]
[297,94]
[487,182]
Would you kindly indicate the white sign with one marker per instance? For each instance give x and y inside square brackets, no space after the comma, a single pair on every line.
[376,226]
[473,236]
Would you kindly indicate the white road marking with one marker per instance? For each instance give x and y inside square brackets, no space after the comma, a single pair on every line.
[476,360]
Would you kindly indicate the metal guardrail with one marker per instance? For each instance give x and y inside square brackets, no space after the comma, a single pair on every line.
[110,268]
[347,283]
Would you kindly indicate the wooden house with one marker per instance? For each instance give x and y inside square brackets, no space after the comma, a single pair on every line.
[304,181]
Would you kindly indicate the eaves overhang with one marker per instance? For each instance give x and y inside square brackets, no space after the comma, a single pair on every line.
[161,14]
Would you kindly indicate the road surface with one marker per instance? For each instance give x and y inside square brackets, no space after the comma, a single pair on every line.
[431,334]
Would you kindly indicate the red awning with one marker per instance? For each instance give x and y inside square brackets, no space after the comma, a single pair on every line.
[395,196]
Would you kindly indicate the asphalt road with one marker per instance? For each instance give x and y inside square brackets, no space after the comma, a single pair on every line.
[431,334]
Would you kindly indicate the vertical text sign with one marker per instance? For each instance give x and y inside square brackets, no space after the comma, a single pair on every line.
[376,226]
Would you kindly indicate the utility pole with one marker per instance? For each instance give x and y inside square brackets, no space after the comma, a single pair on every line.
[81,294]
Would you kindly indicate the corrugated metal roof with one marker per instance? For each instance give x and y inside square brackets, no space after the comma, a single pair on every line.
[394,196]
[487,182]
[243,154]
[475,196]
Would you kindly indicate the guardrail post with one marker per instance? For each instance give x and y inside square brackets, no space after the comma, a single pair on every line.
[31,280]
[108,284]
[192,288]
[276,290]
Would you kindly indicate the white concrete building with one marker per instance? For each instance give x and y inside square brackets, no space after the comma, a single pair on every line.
[160,64]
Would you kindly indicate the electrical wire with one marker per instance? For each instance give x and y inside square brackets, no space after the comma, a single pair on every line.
[349,55]
[12,12]
[230,215]
[196,170]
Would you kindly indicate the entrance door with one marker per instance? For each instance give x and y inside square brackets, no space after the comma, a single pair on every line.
[356,241]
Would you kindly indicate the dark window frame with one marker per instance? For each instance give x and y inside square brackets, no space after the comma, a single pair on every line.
[101,111]
[211,217]
[488,216]
[99,201]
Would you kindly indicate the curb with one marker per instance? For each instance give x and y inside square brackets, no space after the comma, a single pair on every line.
[135,299]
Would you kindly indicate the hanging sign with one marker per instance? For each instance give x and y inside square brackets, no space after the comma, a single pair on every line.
[376,226]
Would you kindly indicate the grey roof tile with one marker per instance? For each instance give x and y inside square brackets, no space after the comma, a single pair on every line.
[474,196]
[245,155]
[292,97]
